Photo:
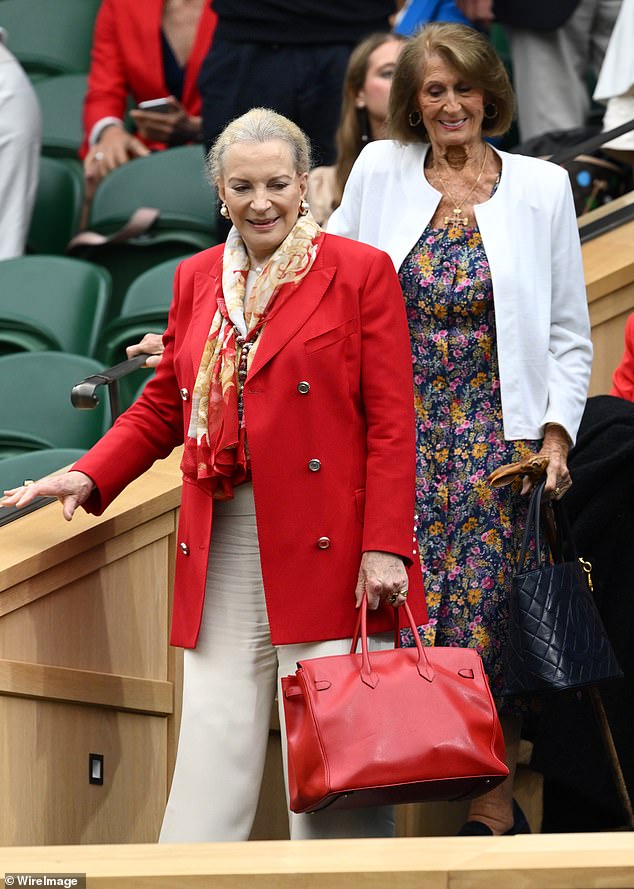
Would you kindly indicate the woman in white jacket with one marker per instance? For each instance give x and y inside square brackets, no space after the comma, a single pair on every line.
[489,259]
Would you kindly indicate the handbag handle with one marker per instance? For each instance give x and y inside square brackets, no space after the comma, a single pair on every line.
[532,525]
[361,629]
[560,541]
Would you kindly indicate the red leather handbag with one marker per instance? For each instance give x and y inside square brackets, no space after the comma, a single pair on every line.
[397,726]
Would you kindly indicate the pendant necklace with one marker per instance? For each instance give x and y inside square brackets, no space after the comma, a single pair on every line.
[458,217]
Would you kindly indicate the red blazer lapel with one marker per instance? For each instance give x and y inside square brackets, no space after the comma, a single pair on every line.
[150,20]
[202,42]
[297,304]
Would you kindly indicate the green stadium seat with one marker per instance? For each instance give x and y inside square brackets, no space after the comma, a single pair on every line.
[144,310]
[35,405]
[57,208]
[62,300]
[173,181]
[61,101]
[50,37]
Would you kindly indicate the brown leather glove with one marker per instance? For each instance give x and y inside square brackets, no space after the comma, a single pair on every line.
[534,467]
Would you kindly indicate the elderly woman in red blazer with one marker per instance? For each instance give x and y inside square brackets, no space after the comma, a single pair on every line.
[286,372]
[144,50]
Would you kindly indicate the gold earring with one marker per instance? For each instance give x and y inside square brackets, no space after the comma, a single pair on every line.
[224,212]
[304,207]
[490,111]
[414,118]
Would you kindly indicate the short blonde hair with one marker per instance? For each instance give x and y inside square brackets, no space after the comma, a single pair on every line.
[256,126]
[472,56]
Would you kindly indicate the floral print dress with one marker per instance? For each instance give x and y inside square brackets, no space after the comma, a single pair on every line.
[466,530]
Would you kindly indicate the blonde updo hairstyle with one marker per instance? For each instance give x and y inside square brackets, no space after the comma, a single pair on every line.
[472,56]
[256,126]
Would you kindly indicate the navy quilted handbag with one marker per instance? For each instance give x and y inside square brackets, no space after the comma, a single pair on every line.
[556,639]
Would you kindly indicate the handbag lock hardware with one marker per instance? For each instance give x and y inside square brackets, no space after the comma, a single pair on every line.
[587,568]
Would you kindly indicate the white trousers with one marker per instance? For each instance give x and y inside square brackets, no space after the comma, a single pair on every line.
[20,138]
[550,68]
[230,681]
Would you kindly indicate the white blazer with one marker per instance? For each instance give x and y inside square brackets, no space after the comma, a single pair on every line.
[529,231]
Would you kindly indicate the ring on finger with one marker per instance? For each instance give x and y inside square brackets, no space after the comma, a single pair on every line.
[99,155]
[393,598]
[27,482]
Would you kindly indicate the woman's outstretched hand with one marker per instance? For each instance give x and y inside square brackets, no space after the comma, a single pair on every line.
[381,576]
[71,489]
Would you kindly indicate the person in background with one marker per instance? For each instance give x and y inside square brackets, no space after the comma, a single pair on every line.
[363,113]
[615,85]
[623,377]
[487,250]
[145,51]
[288,55]
[414,14]
[20,142]
[286,373]
[554,47]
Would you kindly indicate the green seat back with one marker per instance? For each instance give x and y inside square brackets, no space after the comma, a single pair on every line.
[128,260]
[50,36]
[20,334]
[125,332]
[35,400]
[153,289]
[57,207]
[35,464]
[68,297]
[144,310]
[61,100]
[173,181]
[19,441]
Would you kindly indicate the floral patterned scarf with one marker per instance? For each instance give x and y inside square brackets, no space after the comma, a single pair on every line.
[215,448]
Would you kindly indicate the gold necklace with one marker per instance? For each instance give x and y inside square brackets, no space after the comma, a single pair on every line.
[457,217]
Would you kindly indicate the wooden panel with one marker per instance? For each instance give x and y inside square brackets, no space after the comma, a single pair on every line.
[113,620]
[625,200]
[85,563]
[608,261]
[608,339]
[18,678]
[42,539]
[84,625]
[609,273]
[564,861]
[46,797]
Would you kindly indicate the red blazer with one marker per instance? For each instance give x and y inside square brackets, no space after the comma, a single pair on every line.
[343,331]
[127,60]
[623,377]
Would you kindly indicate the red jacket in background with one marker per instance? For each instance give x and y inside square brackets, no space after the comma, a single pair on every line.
[127,60]
[623,378]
